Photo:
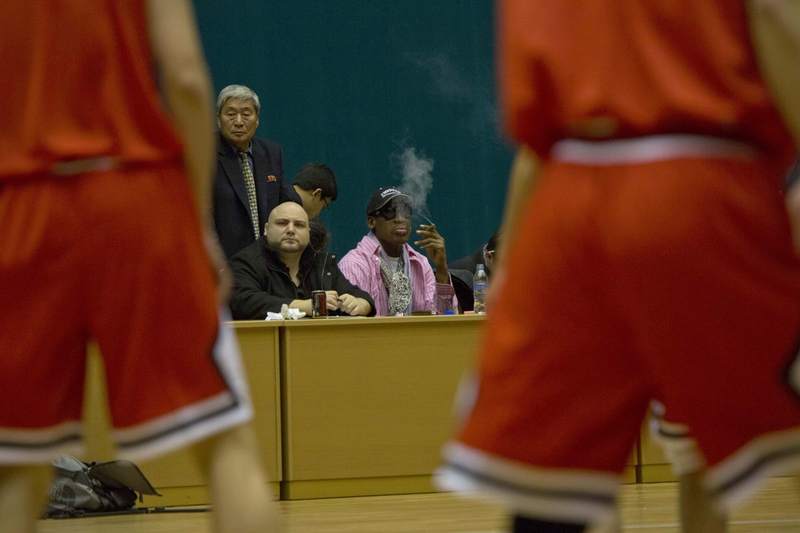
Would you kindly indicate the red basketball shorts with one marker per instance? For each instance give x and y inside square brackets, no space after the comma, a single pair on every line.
[673,280]
[116,257]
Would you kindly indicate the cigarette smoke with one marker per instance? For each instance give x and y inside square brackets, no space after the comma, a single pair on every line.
[415,171]
[453,85]
[460,88]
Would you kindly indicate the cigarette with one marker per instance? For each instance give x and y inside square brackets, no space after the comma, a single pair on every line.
[429,220]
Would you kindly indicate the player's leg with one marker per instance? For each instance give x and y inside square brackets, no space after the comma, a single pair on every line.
[42,344]
[163,337]
[239,490]
[697,512]
[23,493]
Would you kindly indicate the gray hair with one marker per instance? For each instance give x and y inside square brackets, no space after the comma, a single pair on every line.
[240,92]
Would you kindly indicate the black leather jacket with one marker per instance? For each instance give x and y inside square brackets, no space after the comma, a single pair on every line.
[261,282]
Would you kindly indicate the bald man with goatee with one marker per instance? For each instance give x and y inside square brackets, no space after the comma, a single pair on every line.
[281,268]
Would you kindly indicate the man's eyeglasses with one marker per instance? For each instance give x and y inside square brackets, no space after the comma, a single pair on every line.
[389,212]
[327,205]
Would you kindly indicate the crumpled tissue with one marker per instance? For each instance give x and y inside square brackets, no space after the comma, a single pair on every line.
[285,314]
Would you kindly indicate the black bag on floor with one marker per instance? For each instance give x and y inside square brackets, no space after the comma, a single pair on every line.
[79,488]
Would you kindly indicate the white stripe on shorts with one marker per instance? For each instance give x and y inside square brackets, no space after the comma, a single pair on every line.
[35,446]
[647,149]
[738,476]
[551,494]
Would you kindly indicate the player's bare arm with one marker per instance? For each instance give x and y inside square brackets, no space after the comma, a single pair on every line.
[186,88]
[775,27]
[521,181]
[187,91]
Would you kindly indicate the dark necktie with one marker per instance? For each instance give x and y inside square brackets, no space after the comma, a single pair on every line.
[250,184]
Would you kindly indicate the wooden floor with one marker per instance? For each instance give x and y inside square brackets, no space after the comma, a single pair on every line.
[649,508]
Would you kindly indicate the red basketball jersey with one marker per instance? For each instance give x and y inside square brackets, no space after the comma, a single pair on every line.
[78,83]
[601,69]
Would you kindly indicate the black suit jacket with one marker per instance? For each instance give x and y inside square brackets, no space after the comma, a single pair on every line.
[231,207]
[470,262]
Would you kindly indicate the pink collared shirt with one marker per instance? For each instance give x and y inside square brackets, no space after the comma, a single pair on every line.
[362,266]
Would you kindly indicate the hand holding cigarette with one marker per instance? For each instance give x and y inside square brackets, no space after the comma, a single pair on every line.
[433,244]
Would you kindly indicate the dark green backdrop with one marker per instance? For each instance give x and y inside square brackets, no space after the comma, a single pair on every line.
[353,83]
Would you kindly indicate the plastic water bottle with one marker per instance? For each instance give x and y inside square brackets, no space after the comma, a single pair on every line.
[479,283]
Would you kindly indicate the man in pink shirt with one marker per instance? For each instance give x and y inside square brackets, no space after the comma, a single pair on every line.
[398,278]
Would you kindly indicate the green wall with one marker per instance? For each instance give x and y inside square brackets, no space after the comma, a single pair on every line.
[352,83]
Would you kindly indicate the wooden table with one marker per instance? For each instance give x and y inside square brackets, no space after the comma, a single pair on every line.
[343,406]
[367,402]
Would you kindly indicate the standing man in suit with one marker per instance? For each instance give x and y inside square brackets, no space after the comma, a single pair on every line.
[250,180]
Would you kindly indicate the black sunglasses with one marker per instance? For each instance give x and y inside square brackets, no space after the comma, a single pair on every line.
[390,211]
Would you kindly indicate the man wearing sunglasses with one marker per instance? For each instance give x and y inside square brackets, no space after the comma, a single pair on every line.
[398,278]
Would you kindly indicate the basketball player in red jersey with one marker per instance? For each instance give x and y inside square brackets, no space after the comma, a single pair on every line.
[651,254]
[104,186]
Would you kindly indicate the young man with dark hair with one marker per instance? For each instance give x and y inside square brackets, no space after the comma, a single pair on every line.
[315,183]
